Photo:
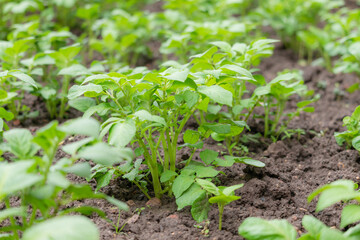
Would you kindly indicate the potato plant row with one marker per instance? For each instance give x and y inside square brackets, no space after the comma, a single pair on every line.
[144,75]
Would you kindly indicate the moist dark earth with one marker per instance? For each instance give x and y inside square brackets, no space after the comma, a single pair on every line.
[294,168]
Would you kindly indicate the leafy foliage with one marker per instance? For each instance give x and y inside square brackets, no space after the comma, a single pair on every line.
[39,182]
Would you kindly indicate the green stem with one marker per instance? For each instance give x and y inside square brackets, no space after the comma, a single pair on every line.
[190,158]
[33,216]
[267,112]
[64,92]
[166,153]
[251,110]
[152,164]
[142,189]
[280,110]
[221,211]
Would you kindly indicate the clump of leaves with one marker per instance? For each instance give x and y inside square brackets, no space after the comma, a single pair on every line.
[13,85]
[342,190]
[276,94]
[40,182]
[351,137]
[193,186]
[151,108]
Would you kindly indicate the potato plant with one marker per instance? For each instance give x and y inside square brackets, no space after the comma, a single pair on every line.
[32,176]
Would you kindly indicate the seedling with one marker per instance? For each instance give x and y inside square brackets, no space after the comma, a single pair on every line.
[351,137]
[221,195]
[276,94]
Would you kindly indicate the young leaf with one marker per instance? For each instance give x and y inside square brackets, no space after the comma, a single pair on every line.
[350,214]
[259,229]
[208,156]
[208,186]
[200,209]
[191,136]
[65,227]
[82,126]
[181,184]
[217,94]
[190,196]
[122,133]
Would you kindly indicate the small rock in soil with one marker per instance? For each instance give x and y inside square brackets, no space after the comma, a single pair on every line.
[154,202]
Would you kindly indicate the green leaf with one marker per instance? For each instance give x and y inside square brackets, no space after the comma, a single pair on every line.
[3,95]
[76,90]
[340,190]
[313,225]
[217,94]
[82,126]
[332,234]
[356,143]
[144,115]
[208,186]
[104,179]
[250,161]
[350,214]
[224,46]
[178,75]
[353,232]
[73,147]
[228,161]
[167,175]
[208,156]
[356,113]
[64,227]
[119,204]
[218,127]
[122,133]
[74,70]
[190,196]
[82,169]
[82,103]
[20,142]
[191,136]
[258,229]
[23,77]
[101,153]
[15,177]
[223,199]
[237,69]
[181,184]
[200,209]
[202,171]
[8,116]
[230,190]
[12,212]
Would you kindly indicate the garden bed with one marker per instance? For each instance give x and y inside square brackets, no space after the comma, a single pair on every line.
[294,168]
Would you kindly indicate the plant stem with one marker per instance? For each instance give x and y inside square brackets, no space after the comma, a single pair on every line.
[152,164]
[221,211]
[190,158]
[280,110]
[64,92]
[267,112]
[142,189]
